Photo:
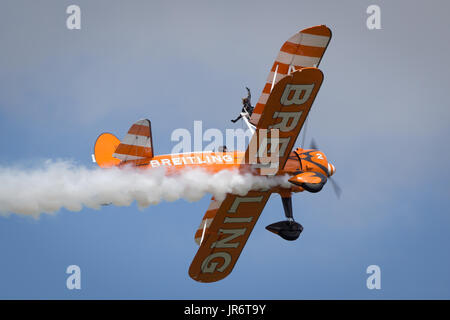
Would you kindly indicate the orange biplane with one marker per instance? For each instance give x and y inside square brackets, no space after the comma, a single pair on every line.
[280,113]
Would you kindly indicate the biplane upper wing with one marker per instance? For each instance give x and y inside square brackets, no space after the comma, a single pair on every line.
[286,110]
[303,49]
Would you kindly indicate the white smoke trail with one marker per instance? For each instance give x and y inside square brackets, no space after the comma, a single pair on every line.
[63,184]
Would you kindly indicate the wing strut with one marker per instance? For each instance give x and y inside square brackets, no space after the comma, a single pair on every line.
[203,233]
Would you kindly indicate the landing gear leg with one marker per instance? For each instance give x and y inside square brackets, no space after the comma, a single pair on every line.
[289,229]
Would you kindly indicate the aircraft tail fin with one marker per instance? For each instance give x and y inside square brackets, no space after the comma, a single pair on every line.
[137,144]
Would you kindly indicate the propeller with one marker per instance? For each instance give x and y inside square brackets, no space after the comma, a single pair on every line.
[314,144]
[337,189]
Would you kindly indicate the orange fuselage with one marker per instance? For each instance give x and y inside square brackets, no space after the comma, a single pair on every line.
[300,160]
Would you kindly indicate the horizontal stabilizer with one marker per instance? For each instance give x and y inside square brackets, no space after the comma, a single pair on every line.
[104,148]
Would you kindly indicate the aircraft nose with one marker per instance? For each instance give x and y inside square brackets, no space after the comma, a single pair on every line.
[331,169]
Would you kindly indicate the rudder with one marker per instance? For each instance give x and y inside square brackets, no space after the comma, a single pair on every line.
[137,143]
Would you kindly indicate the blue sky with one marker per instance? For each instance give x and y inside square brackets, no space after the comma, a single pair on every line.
[381,117]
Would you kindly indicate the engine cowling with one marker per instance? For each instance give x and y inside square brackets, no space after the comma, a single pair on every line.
[310,181]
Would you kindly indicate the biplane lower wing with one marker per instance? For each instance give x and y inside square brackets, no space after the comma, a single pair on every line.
[227,234]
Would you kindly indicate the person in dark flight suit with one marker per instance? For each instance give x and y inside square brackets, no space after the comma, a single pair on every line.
[246,106]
